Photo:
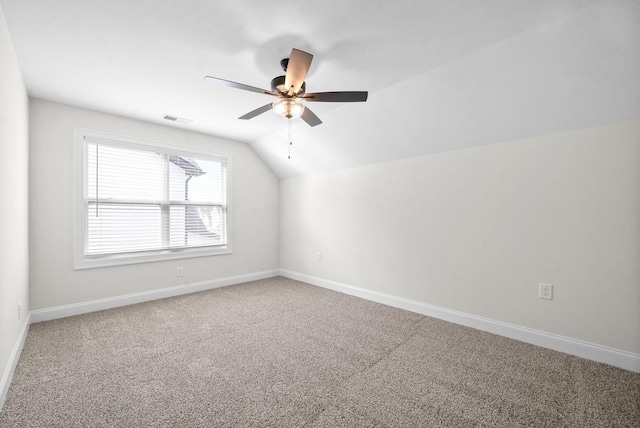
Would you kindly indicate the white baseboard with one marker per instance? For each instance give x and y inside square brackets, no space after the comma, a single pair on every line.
[7,374]
[47,314]
[615,357]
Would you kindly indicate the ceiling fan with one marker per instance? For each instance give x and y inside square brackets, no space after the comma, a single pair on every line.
[290,91]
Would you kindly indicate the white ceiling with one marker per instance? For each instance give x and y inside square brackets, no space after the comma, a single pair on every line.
[441,75]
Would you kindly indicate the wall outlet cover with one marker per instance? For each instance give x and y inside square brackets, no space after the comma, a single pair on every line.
[545,291]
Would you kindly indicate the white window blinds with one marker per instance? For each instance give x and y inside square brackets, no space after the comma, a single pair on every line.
[144,199]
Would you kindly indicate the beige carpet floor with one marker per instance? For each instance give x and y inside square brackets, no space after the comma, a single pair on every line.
[280,353]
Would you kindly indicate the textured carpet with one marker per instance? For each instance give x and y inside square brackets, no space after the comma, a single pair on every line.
[280,353]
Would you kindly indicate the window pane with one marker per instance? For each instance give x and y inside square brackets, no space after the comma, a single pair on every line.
[196,225]
[123,228]
[178,182]
[208,187]
[139,201]
[196,180]
[123,173]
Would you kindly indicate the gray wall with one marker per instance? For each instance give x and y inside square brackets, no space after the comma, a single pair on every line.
[255,193]
[14,198]
[476,230]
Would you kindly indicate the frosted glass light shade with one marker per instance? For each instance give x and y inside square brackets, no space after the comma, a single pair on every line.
[288,107]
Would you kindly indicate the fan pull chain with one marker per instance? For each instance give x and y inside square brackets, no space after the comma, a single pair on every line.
[290,139]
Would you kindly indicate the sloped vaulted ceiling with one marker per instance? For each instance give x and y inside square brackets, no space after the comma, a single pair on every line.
[442,75]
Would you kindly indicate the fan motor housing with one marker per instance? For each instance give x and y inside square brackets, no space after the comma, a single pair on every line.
[277,86]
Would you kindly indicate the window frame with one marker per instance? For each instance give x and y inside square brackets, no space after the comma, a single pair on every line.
[83,261]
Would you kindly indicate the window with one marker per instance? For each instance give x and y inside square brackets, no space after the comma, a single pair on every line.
[139,201]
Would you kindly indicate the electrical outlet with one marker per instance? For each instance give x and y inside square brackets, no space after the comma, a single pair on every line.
[545,291]
[179,271]
[318,256]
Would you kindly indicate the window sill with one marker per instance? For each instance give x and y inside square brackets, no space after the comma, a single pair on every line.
[91,262]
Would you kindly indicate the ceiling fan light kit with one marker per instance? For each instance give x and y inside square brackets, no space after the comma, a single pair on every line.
[288,108]
[290,89]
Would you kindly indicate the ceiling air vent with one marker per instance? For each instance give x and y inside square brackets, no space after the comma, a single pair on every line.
[177,119]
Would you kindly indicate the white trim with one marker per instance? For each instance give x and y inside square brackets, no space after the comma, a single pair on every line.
[80,261]
[615,357]
[13,361]
[40,315]
[133,142]
[122,259]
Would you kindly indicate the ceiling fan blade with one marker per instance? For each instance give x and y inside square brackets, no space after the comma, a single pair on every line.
[337,97]
[231,84]
[257,111]
[310,117]
[297,69]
